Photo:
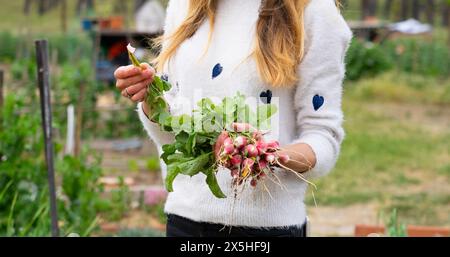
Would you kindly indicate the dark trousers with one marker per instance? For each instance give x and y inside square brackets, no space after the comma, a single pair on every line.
[182,227]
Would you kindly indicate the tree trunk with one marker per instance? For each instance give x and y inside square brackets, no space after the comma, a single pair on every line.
[369,9]
[416,6]
[27,7]
[448,22]
[387,8]
[430,10]
[446,14]
[90,5]
[64,16]
[404,9]
[41,7]
[363,9]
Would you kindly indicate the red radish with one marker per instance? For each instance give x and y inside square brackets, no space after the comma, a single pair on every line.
[270,158]
[240,141]
[248,162]
[228,149]
[261,146]
[236,160]
[284,158]
[262,164]
[247,165]
[273,144]
[257,135]
[218,146]
[242,127]
[227,141]
[251,150]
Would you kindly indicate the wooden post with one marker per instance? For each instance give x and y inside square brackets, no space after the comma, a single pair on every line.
[79,121]
[70,137]
[44,90]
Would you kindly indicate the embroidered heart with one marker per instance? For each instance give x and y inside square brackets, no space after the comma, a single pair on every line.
[266,96]
[318,102]
[217,70]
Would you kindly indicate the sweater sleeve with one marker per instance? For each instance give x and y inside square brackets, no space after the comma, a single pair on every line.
[318,96]
[175,13]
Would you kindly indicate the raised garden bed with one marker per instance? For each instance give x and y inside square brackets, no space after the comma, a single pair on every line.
[412,231]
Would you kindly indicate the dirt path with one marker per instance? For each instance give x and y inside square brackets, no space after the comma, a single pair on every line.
[433,118]
[340,221]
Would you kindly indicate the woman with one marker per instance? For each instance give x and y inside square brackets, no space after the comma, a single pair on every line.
[286,51]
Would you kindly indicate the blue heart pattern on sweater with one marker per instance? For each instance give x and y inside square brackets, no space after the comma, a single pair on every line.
[266,96]
[318,101]
[217,70]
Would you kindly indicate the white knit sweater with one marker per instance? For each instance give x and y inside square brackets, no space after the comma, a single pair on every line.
[308,113]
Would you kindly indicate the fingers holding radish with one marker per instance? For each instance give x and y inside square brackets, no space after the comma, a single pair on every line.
[144,75]
[133,81]
[139,96]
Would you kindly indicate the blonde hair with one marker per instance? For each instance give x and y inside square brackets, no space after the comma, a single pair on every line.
[279,44]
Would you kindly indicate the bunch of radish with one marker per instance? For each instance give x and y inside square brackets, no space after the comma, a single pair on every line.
[248,156]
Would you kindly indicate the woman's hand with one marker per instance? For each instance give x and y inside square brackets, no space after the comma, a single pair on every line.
[301,157]
[133,81]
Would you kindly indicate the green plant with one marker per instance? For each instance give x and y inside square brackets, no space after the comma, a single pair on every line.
[119,203]
[157,211]
[71,47]
[153,164]
[81,188]
[133,165]
[22,172]
[366,59]
[24,197]
[8,44]
[394,229]
[160,214]
[24,69]
[429,58]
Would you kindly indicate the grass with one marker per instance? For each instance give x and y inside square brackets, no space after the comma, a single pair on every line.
[388,158]
[401,88]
